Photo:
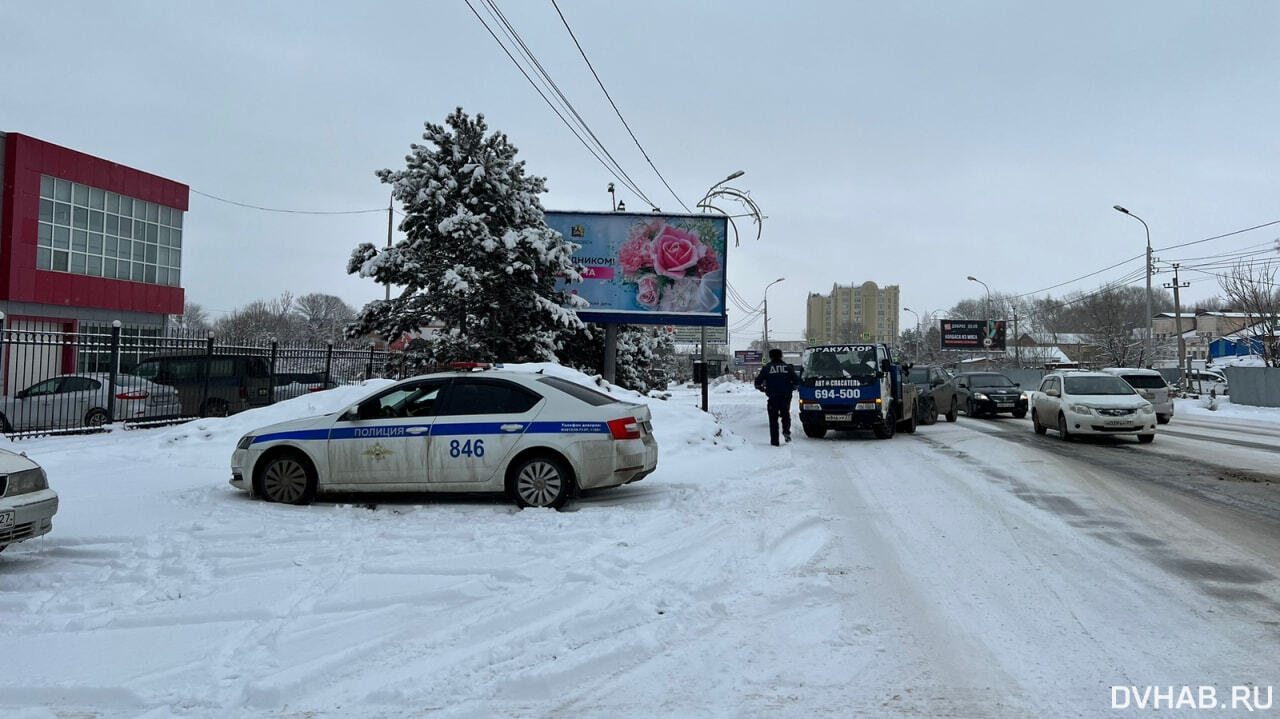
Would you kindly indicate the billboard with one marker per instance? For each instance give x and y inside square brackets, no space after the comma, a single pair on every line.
[972,334]
[648,268]
[747,357]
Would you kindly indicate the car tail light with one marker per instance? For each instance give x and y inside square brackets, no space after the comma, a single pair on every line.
[136,394]
[625,428]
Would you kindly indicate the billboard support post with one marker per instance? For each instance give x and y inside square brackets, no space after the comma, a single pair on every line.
[610,352]
[704,373]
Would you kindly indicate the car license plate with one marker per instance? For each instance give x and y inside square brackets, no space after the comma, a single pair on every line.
[1116,422]
[1004,404]
[846,417]
[6,519]
[648,426]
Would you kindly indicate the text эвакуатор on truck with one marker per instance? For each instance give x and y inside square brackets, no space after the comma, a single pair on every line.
[855,387]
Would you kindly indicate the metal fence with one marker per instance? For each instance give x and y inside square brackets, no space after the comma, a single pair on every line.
[1257,386]
[58,381]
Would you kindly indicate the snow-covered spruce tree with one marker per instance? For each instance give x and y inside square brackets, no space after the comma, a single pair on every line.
[642,360]
[477,254]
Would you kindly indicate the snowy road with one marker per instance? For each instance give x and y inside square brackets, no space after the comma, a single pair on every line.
[972,569]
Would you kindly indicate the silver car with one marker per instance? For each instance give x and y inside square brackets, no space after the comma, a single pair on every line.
[1151,385]
[27,505]
[80,400]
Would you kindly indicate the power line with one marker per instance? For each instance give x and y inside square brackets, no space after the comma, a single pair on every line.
[291,212]
[615,106]
[514,37]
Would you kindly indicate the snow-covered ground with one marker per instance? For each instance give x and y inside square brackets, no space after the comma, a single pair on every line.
[843,577]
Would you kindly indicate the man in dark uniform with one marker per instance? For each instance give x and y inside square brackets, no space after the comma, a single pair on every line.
[778,380]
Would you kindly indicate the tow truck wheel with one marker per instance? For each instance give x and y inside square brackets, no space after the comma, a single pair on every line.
[815,431]
[951,413]
[909,424]
[884,430]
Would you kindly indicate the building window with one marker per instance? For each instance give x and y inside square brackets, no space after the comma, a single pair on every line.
[89,231]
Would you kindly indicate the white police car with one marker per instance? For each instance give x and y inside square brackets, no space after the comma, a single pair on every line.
[537,437]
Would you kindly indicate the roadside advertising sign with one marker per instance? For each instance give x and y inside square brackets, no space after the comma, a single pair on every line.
[648,268]
[747,357]
[973,334]
[692,335]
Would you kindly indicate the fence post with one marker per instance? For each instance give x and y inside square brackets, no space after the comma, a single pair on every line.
[115,368]
[271,382]
[403,361]
[328,365]
[208,365]
[368,369]
[4,356]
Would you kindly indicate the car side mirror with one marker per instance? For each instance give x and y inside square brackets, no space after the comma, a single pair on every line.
[1017,384]
[885,365]
[1053,393]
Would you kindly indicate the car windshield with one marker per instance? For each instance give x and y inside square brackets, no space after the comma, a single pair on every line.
[850,361]
[1145,381]
[990,380]
[1097,385]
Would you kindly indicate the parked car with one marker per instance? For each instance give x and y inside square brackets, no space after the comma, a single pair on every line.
[1202,381]
[978,393]
[27,505]
[1091,403]
[287,385]
[211,385]
[73,401]
[926,378]
[1151,385]
[537,437]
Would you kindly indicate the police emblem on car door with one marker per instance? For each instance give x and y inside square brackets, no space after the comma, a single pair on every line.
[385,439]
[480,422]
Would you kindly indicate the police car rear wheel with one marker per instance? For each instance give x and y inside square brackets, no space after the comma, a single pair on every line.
[288,479]
[540,482]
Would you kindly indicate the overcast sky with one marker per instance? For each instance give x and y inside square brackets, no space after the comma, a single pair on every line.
[904,143]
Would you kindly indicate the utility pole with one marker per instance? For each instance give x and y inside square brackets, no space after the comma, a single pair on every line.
[1177,315]
[390,205]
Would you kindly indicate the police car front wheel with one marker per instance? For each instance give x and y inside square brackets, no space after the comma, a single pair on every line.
[540,481]
[289,479]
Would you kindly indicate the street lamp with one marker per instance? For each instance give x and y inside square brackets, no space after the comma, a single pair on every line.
[917,316]
[717,192]
[765,345]
[1146,344]
[987,312]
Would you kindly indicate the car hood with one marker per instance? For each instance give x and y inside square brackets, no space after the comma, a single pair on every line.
[1002,389]
[11,462]
[294,425]
[1111,401]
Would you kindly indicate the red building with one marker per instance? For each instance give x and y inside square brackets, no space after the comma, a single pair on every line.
[85,241]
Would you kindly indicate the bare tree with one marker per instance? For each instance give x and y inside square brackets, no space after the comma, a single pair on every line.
[193,320]
[1112,317]
[323,317]
[261,321]
[1251,288]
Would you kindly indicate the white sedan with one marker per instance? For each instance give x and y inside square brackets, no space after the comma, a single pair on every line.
[537,437]
[1077,403]
[27,505]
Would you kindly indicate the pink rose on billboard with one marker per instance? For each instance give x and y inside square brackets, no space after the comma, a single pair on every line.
[647,291]
[636,255]
[676,251]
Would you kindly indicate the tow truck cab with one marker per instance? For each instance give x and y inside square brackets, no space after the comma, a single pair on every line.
[854,386]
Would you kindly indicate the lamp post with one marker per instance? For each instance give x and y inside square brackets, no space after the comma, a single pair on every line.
[987,311]
[765,346]
[917,316]
[1146,340]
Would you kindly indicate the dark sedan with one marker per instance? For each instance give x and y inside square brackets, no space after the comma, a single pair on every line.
[979,393]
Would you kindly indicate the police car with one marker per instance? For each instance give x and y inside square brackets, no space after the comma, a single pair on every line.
[535,436]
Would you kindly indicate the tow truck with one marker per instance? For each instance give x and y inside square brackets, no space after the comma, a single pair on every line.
[856,386]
